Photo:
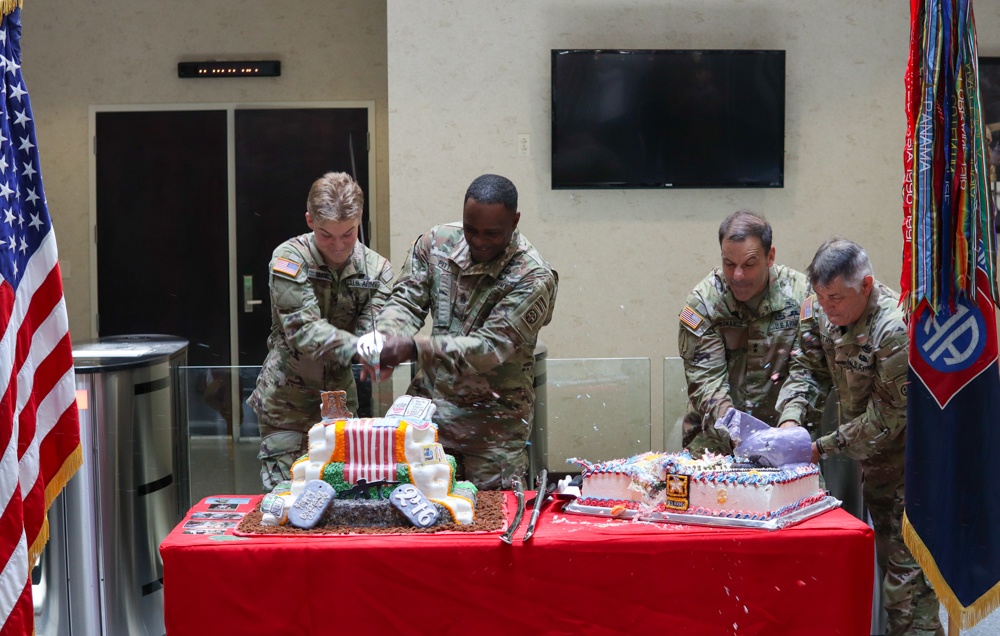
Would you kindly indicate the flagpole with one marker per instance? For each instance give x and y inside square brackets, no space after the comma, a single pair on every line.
[953,624]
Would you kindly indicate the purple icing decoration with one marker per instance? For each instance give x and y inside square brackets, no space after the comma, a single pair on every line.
[763,445]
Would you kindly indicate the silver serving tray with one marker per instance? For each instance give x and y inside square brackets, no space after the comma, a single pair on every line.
[800,515]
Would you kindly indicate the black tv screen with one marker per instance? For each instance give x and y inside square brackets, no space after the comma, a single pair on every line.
[668,119]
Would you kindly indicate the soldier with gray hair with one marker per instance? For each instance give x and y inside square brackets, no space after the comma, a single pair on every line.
[325,286]
[852,337]
[489,292]
[737,332]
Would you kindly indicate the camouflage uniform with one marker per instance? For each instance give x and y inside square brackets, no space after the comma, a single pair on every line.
[867,364]
[736,356]
[316,316]
[477,365]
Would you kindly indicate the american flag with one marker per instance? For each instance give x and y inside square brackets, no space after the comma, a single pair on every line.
[371,450]
[39,424]
[690,317]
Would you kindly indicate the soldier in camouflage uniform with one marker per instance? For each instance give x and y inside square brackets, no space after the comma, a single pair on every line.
[737,332]
[325,288]
[853,338]
[489,293]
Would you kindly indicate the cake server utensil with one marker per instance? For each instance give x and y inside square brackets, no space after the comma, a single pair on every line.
[508,537]
[569,489]
[541,495]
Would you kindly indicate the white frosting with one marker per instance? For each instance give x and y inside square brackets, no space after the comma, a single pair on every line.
[614,486]
[751,498]
[612,481]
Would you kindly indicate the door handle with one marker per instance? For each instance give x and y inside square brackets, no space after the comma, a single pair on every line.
[248,301]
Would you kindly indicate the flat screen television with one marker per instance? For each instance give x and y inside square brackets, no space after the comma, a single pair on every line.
[668,119]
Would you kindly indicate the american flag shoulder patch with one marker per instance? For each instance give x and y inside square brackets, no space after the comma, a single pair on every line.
[691,318]
[807,308]
[286,267]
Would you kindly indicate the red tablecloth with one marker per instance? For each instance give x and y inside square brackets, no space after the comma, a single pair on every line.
[578,575]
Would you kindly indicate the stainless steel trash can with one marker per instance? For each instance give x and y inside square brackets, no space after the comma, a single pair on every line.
[101,571]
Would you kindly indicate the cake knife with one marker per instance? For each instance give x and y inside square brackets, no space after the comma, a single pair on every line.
[508,537]
[541,494]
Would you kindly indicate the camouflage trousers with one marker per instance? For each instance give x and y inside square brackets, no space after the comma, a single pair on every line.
[279,448]
[909,600]
[491,468]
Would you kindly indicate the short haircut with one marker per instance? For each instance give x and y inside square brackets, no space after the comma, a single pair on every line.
[492,188]
[742,224]
[335,197]
[839,257]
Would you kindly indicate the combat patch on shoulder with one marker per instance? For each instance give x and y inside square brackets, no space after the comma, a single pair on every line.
[807,308]
[286,267]
[535,312]
[691,318]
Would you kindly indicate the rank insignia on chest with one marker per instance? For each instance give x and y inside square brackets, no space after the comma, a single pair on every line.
[286,267]
[362,283]
[690,317]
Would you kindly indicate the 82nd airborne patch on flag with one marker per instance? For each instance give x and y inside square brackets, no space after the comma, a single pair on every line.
[286,267]
[691,318]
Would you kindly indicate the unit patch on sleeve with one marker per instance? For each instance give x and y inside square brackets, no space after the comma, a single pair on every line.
[691,318]
[807,308]
[286,267]
[535,312]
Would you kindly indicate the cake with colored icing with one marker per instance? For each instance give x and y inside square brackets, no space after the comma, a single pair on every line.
[366,460]
[714,485]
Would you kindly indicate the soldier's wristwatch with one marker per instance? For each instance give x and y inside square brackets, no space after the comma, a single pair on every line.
[819,449]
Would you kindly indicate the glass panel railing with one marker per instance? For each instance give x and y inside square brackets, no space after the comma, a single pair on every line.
[596,409]
[675,404]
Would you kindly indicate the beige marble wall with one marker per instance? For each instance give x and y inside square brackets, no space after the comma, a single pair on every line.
[78,53]
[466,77]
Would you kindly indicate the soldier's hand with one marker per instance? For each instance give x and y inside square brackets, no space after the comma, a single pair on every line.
[370,346]
[375,374]
[815,454]
[788,424]
[396,351]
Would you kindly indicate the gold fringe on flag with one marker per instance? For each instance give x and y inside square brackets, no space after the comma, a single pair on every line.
[8,6]
[58,482]
[968,616]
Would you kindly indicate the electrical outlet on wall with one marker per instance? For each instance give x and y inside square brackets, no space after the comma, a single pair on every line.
[524,144]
